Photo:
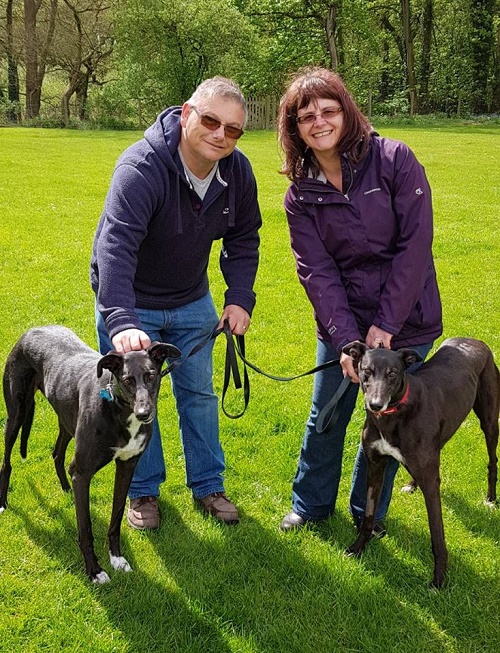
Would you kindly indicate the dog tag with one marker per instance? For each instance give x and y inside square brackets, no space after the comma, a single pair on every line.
[107,393]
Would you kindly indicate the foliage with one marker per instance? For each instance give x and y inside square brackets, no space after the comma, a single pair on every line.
[119,61]
[198,587]
[164,49]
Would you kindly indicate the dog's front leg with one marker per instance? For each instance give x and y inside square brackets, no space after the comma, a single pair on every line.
[81,491]
[429,485]
[376,467]
[123,476]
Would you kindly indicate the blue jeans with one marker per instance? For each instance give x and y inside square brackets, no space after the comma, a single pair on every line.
[197,405]
[316,482]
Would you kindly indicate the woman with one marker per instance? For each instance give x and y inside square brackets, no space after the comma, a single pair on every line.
[359,212]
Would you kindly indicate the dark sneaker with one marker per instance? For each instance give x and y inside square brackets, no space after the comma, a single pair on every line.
[143,513]
[219,506]
[292,522]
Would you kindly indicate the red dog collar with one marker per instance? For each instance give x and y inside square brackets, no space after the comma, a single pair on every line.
[394,409]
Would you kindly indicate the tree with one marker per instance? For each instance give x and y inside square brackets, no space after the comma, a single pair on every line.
[87,43]
[425,63]
[37,44]
[481,15]
[13,111]
[165,49]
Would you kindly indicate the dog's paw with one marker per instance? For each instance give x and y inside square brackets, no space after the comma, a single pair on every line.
[409,488]
[119,562]
[352,553]
[492,505]
[2,508]
[101,578]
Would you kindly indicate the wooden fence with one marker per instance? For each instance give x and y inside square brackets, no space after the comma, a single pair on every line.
[262,112]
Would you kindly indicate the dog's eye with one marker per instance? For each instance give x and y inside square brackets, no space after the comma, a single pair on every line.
[366,372]
[127,382]
[392,375]
[151,376]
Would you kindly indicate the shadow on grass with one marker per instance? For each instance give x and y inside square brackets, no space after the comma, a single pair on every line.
[216,589]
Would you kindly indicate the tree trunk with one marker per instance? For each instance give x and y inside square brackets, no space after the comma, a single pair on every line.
[36,60]
[410,56]
[481,13]
[425,68]
[495,100]
[13,113]
[331,27]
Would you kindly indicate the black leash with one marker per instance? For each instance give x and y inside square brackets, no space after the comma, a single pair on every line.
[231,365]
[328,415]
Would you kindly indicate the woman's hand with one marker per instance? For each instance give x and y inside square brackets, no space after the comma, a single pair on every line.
[377,337]
[347,365]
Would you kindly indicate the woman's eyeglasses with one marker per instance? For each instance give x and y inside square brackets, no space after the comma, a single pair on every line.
[213,124]
[327,114]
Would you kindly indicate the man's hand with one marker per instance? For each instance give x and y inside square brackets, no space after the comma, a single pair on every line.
[239,319]
[130,340]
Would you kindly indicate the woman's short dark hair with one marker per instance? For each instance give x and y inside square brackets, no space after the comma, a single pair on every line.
[308,85]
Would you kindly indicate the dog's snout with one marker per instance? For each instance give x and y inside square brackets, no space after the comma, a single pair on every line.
[375,406]
[144,411]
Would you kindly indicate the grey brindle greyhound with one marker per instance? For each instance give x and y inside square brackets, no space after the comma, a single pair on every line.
[412,416]
[107,403]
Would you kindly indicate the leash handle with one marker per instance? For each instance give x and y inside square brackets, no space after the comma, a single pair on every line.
[329,414]
[231,369]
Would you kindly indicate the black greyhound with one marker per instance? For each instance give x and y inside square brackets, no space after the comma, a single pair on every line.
[110,415]
[412,416]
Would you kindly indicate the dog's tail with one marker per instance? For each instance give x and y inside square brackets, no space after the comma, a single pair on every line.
[19,387]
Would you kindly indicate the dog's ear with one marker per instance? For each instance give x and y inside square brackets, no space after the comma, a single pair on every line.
[159,351]
[409,357]
[355,350]
[113,361]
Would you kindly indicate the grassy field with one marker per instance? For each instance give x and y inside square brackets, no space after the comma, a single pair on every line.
[198,586]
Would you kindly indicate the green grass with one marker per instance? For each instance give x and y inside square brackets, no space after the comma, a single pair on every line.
[197,586]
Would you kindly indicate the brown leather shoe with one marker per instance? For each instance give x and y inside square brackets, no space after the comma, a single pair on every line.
[219,506]
[143,513]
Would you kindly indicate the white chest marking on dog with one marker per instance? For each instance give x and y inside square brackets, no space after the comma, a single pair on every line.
[135,445]
[386,449]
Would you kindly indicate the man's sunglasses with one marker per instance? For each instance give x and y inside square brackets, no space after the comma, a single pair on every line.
[213,124]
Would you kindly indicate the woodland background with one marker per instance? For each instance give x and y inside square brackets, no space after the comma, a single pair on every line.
[117,63]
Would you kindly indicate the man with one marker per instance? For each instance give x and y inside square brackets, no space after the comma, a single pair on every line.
[172,194]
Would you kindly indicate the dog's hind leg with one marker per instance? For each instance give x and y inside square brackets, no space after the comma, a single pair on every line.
[487,407]
[59,456]
[19,389]
[123,477]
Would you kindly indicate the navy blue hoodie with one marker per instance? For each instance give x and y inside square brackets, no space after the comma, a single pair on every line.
[153,241]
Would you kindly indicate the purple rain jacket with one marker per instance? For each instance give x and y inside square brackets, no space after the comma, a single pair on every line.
[154,238]
[365,257]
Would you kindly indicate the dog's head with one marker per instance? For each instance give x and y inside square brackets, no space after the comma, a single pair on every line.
[137,376]
[381,372]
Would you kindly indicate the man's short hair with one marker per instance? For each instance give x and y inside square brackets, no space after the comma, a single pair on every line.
[219,87]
